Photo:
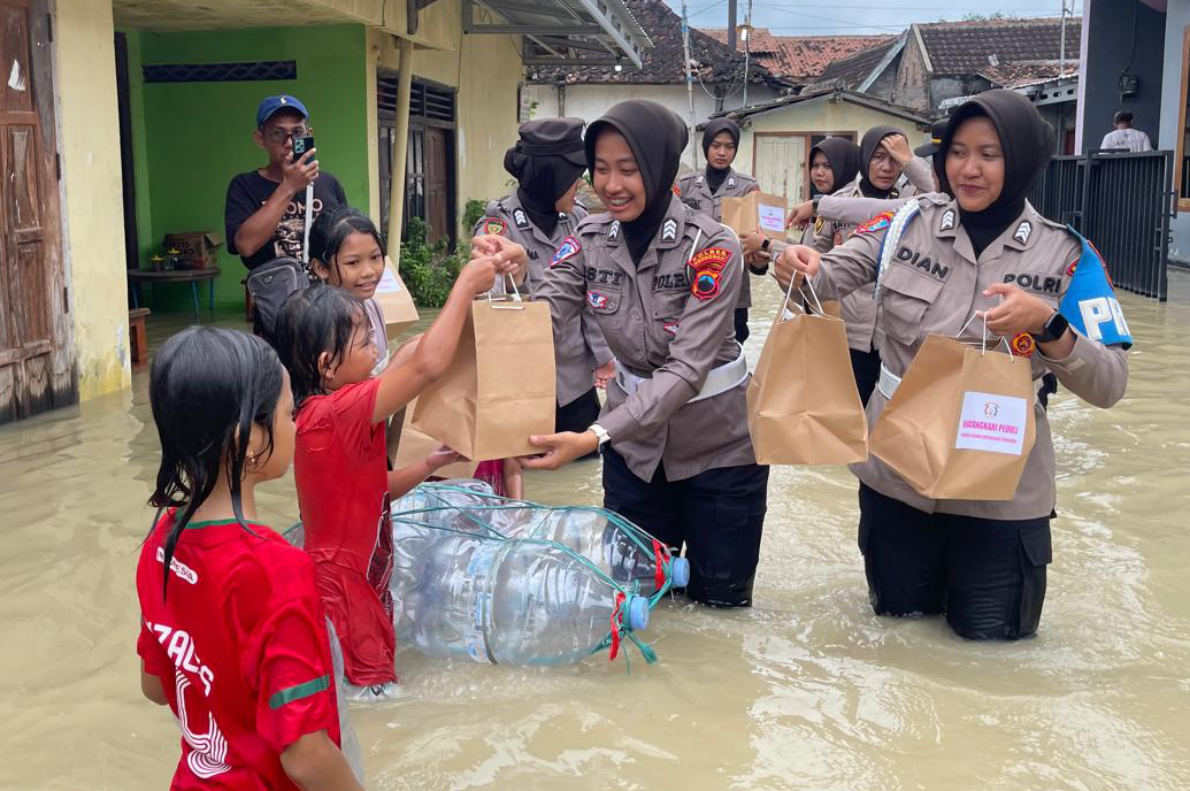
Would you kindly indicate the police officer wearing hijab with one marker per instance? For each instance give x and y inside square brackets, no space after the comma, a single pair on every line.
[704,192]
[547,162]
[663,281]
[978,252]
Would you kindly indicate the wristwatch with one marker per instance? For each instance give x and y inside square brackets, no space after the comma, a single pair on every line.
[1055,327]
[814,201]
[765,244]
[600,433]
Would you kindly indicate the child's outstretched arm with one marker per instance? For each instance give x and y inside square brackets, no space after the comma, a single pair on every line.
[402,481]
[151,688]
[400,384]
[315,763]
[514,479]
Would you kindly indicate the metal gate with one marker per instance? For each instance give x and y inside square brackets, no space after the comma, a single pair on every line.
[1123,203]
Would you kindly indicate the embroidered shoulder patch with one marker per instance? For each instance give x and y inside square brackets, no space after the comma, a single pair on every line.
[677,190]
[1023,344]
[494,226]
[877,223]
[569,249]
[708,272]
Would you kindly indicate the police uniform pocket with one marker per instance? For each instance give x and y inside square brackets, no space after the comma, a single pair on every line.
[905,297]
[1037,545]
[602,299]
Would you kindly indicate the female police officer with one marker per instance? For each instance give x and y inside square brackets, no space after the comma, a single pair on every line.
[548,162]
[662,281]
[704,192]
[982,252]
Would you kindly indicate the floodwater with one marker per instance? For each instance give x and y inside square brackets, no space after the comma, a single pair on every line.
[806,690]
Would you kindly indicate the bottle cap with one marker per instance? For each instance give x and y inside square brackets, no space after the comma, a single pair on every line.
[638,613]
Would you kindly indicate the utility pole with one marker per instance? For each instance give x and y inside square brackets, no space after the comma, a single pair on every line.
[1062,55]
[689,82]
[731,14]
[747,47]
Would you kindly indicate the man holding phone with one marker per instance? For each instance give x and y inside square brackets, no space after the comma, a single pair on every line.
[266,211]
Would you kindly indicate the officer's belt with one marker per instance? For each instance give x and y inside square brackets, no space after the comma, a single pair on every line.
[720,379]
[889,382]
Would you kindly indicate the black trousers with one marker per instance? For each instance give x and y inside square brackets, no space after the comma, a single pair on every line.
[987,575]
[741,325]
[718,515]
[866,367]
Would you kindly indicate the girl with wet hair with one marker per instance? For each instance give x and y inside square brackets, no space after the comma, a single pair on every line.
[994,262]
[233,633]
[344,486]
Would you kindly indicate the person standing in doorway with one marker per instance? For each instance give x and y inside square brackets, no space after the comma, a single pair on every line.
[265,211]
[1124,137]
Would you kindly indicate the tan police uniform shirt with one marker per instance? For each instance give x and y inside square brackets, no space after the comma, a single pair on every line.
[935,284]
[696,193]
[581,349]
[658,328]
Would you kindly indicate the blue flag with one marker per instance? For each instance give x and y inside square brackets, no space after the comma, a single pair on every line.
[1090,303]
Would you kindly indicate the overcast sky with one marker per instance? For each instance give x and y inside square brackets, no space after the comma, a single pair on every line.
[821,18]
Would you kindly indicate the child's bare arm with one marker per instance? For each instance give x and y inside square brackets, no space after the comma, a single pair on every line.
[514,479]
[403,480]
[315,763]
[150,687]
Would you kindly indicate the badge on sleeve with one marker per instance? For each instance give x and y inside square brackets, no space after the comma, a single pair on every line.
[708,271]
[877,223]
[494,226]
[1023,344]
[1090,303]
[569,249]
[677,190]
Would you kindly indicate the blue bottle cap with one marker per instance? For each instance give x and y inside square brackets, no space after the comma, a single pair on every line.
[638,613]
[680,575]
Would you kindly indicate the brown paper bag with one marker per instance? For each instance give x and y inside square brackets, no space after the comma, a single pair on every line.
[499,388]
[960,425]
[803,405]
[416,445]
[756,210]
[395,302]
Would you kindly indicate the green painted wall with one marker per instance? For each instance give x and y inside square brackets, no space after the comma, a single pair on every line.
[198,135]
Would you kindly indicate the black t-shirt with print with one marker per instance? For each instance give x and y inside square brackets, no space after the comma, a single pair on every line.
[247,192]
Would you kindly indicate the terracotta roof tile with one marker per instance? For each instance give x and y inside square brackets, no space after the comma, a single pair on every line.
[1019,75]
[801,58]
[853,69]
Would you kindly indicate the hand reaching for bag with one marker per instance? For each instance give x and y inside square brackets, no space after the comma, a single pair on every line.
[559,449]
[504,250]
[796,259]
[801,216]
[479,275]
[605,373]
[442,457]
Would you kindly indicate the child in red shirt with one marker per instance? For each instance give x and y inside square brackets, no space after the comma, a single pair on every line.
[233,636]
[343,483]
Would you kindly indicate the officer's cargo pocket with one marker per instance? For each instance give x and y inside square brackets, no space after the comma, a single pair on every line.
[1036,554]
[1037,546]
[904,298]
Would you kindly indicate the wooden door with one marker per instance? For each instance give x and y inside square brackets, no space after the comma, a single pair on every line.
[36,349]
[780,164]
[437,184]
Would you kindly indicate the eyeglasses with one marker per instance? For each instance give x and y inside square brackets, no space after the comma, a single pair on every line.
[278,135]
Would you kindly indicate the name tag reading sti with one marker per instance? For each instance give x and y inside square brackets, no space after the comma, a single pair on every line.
[992,423]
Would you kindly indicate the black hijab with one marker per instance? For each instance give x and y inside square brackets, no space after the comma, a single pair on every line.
[843,156]
[868,148]
[657,137]
[546,162]
[715,176]
[1027,143]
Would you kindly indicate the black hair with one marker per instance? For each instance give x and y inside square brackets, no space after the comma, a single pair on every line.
[332,228]
[319,319]
[207,388]
[1123,117]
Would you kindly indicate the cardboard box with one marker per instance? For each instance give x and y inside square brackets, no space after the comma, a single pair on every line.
[197,248]
[395,302]
[756,210]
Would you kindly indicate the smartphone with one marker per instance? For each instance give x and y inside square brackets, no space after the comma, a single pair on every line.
[301,145]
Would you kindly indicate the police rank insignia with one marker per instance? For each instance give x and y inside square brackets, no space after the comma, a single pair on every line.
[597,300]
[669,231]
[520,218]
[569,249]
[1023,344]
[614,231]
[494,226]
[708,271]
[731,181]
[947,223]
[1023,232]
[877,223]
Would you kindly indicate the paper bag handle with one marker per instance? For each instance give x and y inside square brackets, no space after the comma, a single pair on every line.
[983,344]
[789,295]
[515,297]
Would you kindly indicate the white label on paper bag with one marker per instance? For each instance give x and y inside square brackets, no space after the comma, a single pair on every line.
[772,218]
[993,423]
[388,283]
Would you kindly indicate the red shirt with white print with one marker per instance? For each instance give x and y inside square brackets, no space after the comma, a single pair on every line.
[239,641]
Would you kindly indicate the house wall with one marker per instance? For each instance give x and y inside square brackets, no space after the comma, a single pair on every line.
[93,243]
[912,89]
[1119,33]
[589,102]
[885,86]
[1177,19]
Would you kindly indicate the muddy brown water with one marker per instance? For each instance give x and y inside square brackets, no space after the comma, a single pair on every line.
[806,690]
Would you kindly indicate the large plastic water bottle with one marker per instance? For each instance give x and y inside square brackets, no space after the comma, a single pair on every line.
[519,602]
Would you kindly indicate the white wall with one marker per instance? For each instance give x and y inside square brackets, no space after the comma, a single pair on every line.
[1176,20]
[589,102]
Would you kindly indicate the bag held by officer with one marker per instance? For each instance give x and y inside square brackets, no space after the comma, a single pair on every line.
[756,210]
[416,445]
[960,424]
[803,405]
[499,389]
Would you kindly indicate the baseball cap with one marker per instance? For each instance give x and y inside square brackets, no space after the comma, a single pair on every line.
[273,104]
[931,148]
